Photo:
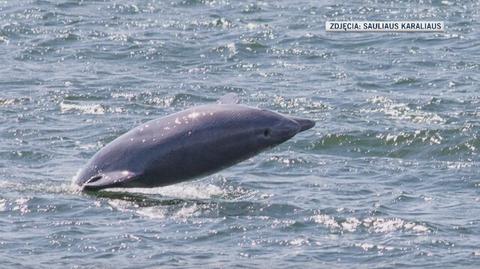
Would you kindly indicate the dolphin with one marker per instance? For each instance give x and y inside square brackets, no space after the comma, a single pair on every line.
[188,144]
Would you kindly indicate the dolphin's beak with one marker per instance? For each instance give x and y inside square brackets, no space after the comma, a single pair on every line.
[304,124]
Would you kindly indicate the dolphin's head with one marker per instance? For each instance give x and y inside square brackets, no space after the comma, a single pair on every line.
[276,128]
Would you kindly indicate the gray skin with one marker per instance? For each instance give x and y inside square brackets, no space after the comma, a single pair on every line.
[185,145]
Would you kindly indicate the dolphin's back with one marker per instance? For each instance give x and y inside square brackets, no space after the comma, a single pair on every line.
[177,147]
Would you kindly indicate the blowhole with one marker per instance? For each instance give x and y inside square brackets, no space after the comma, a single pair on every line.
[266,133]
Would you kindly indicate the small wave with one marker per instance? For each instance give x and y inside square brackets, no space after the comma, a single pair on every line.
[201,2]
[221,22]
[52,187]
[13,101]
[25,155]
[228,50]
[375,225]
[60,39]
[125,8]
[307,53]
[405,80]
[198,24]
[166,101]
[3,203]
[7,102]
[297,242]
[284,161]
[370,246]
[299,104]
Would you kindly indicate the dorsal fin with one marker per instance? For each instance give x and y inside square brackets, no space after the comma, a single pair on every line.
[229,98]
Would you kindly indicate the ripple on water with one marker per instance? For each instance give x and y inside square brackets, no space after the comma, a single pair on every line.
[402,111]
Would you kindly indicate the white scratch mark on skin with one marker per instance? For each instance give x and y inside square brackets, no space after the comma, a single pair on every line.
[193,115]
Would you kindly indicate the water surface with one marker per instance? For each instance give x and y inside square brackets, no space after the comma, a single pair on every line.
[387,178]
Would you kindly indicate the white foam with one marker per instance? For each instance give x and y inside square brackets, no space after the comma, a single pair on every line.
[4,39]
[155,212]
[183,191]
[122,205]
[365,246]
[126,95]
[326,220]
[152,212]
[187,211]
[380,225]
[96,109]
[299,242]
[22,205]
[252,26]
[162,101]
[369,246]
[10,185]
[350,224]
[232,49]
[375,225]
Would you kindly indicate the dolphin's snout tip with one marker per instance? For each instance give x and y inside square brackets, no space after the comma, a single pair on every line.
[304,124]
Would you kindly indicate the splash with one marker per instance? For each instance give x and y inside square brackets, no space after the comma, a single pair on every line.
[182,191]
